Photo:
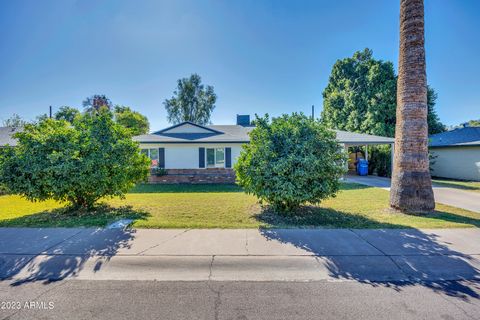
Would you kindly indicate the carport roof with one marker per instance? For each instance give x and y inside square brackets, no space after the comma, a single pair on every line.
[361,138]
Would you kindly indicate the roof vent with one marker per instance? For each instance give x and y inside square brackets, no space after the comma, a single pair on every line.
[243,120]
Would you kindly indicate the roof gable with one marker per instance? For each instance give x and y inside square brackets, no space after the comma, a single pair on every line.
[187,127]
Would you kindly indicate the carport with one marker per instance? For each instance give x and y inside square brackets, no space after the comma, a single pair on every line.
[352,139]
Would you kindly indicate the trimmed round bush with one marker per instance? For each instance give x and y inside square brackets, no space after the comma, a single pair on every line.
[290,161]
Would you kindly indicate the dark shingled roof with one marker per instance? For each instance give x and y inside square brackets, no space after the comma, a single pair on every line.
[469,136]
[6,136]
[227,133]
[239,134]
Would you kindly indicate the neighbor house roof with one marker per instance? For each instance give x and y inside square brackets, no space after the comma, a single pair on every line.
[6,134]
[469,136]
[235,134]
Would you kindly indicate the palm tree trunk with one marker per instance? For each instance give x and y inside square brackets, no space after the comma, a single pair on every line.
[411,184]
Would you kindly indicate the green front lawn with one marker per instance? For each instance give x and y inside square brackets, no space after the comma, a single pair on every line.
[203,206]
[458,184]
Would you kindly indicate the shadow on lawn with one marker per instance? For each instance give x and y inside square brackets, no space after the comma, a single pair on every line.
[447,184]
[53,254]
[311,217]
[65,217]
[419,257]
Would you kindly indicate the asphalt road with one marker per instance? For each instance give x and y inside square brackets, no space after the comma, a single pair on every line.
[82,299]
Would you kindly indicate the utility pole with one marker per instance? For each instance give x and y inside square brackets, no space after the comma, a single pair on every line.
[313,112]
[50,113]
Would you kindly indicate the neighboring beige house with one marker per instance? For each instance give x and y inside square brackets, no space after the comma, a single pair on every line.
[192,153]
[457,154]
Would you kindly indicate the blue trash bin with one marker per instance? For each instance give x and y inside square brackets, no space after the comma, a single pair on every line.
[362,167]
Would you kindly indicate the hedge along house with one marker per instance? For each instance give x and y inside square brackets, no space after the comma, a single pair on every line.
[191,153]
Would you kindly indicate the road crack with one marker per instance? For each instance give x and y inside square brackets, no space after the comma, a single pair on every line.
[163,242]
[218,301]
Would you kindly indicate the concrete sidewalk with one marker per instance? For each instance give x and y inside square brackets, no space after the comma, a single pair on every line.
[453,197]
[30,255]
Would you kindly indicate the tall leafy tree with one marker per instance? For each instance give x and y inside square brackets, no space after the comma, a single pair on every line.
[15,121]
[191,101]
[360,97]
[134,121]
[67,113]
[97,102]
[411,189]
[78,163]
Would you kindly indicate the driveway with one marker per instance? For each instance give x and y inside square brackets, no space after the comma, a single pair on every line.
[450,196]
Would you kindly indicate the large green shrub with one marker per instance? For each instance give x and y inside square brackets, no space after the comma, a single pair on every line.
[290,161]
[80,163]
[379,160]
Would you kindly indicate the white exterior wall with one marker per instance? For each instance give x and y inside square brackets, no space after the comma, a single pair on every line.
[181,157]
[457,163]
[185,156]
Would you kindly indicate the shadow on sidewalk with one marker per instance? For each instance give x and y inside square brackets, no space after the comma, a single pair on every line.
[67,256]
[97,244]
[421,257]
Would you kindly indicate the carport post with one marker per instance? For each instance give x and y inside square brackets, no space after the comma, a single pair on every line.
[392,155]
[345,149]
[366,152]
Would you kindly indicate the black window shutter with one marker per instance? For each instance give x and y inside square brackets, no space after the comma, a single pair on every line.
[201,157]
[228,157]
[161,157]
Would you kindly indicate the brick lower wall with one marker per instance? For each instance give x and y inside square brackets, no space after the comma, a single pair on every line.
[195,176]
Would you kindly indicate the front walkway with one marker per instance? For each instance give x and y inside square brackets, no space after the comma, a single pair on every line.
[450,196]
[31,255]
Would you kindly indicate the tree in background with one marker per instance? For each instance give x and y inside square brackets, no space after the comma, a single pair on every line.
[135,122]
[434,124]
[191,101]
[411,189]
[67,113]
[361,97]
[474,123]
[15,121]
[79,163]
[96,102]
[290,161]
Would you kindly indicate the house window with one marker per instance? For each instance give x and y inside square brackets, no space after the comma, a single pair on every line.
[215,157]
[153,155]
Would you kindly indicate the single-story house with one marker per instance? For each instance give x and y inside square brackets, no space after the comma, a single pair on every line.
[192,153]
[456,154]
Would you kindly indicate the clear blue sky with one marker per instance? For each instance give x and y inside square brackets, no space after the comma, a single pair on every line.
[261,56]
